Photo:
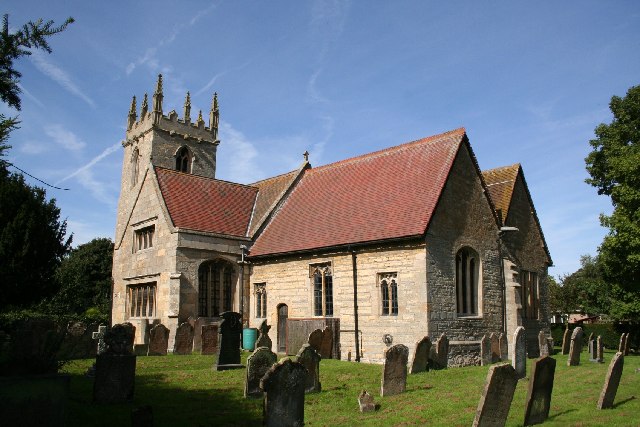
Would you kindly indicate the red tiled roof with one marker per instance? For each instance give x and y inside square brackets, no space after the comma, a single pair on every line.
[384,195]
[206,204]
[501,182]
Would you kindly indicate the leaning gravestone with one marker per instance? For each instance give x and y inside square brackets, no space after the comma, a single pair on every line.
[394,374]
[284,385]
[623,343]
[115,368]
[263,336]
[229,341]
[197,332]
[495,347]
[576,347]
[543,344]
[611,382]
[315,339]
[600,350]
[326,346]
[209,339]
[504,346]
[495,402]
[439,355]
[366,403]
[183,343]
[421,356]
[540,388]
[260,361]
[485,351]
[310,359]
[158,340]
[519,352]
[627,345]
[566,341]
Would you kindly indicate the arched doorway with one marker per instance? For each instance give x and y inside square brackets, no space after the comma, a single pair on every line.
[283,314]
[215,288]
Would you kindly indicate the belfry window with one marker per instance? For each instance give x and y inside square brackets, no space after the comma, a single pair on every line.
[388,283]
[183,160]
[467,281]
[215,290]
[322,290]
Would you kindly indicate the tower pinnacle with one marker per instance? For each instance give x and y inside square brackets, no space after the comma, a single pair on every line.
[214,116]
[187,108]
[132,113]
[157,101]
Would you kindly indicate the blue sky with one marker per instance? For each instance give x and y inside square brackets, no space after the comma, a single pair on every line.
[529,80]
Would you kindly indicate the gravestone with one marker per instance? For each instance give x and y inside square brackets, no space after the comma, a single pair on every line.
[102,329]
[421,356]
[209,339]
[543,344]
[394,371]
[229,341]
[485,351]
[497,395]
[260,361]
[326,346]
[550,346]
[600,350]
[131,334]
[627,345]
[439,355]
[158,340]
[78,342]
[263,336]
[183,343]
[566,341]
[591,337]
[142,416]
[115,368]
[141,349]
[593,350]
[315,339]
[144,330]
[197,332]
[519,352]
[538,400]
[495,347]
[310,359]
[283,386]
[504,346]
[366,403]
[611,382]
[623,343]
[576,347]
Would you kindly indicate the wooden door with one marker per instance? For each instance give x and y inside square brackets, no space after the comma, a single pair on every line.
[283,314]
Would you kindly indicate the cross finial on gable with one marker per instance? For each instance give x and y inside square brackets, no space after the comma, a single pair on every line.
[306,156]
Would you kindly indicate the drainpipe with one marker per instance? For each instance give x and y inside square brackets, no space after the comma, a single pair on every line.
[243,249]
[355,301]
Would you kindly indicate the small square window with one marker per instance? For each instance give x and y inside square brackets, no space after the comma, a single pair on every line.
[143,238]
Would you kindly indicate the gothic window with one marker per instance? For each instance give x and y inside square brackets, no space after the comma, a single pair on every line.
[388,283]
[529,293]
[141,300]
[467,281]
[322,290]
[144,238]
[183,160]
[215,289]
[261,300]
[135,161]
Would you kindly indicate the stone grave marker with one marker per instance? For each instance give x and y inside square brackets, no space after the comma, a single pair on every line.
[421,356]
[576,347]
[315,339]
[591,337]
[439,355]
[263,336]
[485,351]
[132,333]
[310,359]
[623,343]
[283,386]
[115,367]
[209,339]
[78,342]
[366,403]
[495,402]
[593,350]
[144,330]
[394,373]
[158,340]
[627,345]
[495,347]
[102,329]
[566,341]
[550,346]
[538,400]
[229,341]
[326,346]
[197,333]
[519,352]
[600,350]
[611,382]
[504,346]
[543,344]
[260,361]
[183,343]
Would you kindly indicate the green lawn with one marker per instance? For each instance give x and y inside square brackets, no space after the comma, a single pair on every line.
[185,391]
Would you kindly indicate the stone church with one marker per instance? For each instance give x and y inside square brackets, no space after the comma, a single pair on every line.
[386,247]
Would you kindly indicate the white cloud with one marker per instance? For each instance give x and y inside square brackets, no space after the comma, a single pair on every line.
[31,96]
[59,76]
[65,138]
[242,154]
[81,171]
[313,93]
[30,147]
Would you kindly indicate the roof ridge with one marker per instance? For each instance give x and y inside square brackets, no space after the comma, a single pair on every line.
[515,165]
[190,175]
[274,177]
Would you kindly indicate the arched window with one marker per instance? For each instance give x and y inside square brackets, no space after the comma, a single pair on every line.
[467,281]
[183,160]
[322,290]
[135,161]
[215,289]
[389,289]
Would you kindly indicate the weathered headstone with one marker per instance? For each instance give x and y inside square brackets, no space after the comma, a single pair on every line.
[623,343]
[550,346]
[366,403]
[144,330]
[141,349]
[485,351]
[495,402]
[229,341]
[439,355]
[543,344]
[260,361]
[209,339]
[591,337]
[78,342]
[566,341]
[115,368]
[310,359]
[263,336]
[315,339]
[519,352]
[593,350]
[183,343]
[540,388]
[197,332]
[326,346]
[421,356]
[394,373]
[576,347]
[504,346]
[495,347]
[158,340]
[600,350]
[102,329]
[611,382]
[132,333]
[284,385]
[142,416]
[627,345]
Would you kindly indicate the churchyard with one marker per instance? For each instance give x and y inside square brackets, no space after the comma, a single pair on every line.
[187,390]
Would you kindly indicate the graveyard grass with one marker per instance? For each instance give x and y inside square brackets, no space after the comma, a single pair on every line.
[185,391]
